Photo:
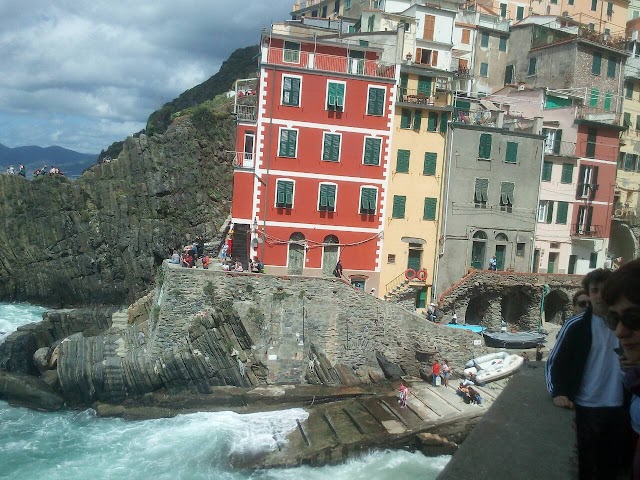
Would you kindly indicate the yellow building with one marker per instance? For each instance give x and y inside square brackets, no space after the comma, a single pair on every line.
[604,16]
[412,216]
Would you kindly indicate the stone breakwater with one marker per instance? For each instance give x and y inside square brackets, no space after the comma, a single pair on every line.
[202,329]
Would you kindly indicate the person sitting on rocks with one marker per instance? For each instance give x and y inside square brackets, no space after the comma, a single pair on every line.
[11,170]
[175,257]
[256,265]
[237,267]
[205,262]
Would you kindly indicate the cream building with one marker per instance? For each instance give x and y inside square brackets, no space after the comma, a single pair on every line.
[412,218]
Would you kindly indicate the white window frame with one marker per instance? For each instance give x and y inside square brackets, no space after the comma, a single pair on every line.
[543,209]
[293,195]
[344,100]
[550,139]
[364,147]
[586,181]
[582,219]
[284,50]
[286,75]
[248,158]
[324,134]
[384,102]
[360,212]
[297,140]
[335,208]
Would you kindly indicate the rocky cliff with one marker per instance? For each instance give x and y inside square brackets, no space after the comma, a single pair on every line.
[100,238]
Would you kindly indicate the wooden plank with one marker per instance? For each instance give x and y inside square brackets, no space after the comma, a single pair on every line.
[318,432]
[405,415]
[343,426]
[366,424]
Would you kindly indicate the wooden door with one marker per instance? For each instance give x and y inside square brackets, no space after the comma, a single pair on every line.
[295,262]
[429,27]
[553,260]
[329,255]
[477,255]
[414,259]
[500,254]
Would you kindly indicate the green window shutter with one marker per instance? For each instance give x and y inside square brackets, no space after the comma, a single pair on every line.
[429,208]
[563,210]
[368,201]
[547,167]
[402,164]
[519,13]
[481,191]
[331,147]
[596,63]
[404,81]
[607,101]
[284,143]
[399,202]
[372,151]
[637,122]
[611,67]
[293,140]
[484,40]
[323,197]
[444,120]
[331,196]
[484,150]
[506,193]
[340,95]
[549,211]
[376,101]
[291,91]
[417,120]
[557,142]
[424,85]
[430,160]
[332,95]
[280,194]
[511,155]
[609,8]
[567,173]
[503,10]
[503,44]
[405,118]
[593,99]
[627,119]
[432,125]
[532,65]
[484,69]
[629,90]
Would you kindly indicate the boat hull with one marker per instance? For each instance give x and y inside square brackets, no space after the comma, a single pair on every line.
[513,340]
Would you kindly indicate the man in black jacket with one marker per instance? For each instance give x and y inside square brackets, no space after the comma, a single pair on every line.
[583,373]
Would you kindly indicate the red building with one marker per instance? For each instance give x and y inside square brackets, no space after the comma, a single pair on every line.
[598,146]
[312,157]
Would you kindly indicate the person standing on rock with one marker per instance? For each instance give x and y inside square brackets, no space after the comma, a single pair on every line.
[436,370]
[403,393]
[338,270]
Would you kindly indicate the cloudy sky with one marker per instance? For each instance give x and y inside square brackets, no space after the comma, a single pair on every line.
[84,73]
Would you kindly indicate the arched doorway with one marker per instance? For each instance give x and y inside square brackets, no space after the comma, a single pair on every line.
[514,305]
[476,311]
[622,242]
[501,250]
[330,254]
[478,250]
[556,306]
[295,256]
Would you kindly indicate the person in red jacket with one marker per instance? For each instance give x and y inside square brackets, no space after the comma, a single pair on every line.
[436,368]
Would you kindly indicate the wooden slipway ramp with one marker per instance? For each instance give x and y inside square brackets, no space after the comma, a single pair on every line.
[335,431]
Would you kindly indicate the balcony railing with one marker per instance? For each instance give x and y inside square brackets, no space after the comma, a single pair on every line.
[413,97]
[562,149]
[587,231]
[545,36]
[475,117]
[330,63]
[600,115]
[246,113]
[462,72]
[241,159]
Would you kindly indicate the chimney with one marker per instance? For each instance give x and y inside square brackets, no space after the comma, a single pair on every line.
[499,119]
[399,43]
[537,126]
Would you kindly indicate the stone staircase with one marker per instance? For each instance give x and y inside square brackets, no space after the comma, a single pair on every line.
[334,431]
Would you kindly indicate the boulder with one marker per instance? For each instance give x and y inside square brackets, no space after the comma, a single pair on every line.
[41,358]
[26,391]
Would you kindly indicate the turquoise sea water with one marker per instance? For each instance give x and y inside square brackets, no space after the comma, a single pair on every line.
[79,445]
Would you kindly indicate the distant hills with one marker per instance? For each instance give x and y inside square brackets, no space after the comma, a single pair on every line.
[70,162]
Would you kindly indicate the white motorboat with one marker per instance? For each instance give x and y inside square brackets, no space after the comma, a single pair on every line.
[492,366]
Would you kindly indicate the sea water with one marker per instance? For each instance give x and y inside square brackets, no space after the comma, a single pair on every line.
[78,444]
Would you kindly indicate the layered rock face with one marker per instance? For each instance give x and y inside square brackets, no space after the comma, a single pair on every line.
[100,238]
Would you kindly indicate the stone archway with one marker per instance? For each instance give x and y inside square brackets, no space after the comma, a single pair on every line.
[476,310]
[556,306]
[623,243]
[514,306]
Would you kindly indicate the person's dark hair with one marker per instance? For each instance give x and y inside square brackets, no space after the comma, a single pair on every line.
[624,282]
[576,295]
[599,275]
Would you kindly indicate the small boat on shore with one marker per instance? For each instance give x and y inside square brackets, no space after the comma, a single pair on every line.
[471,328]
[492,366]
[513,340]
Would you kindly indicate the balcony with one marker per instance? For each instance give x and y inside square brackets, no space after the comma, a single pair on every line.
[413,98]
[581,231]
[488,118]
[544,36]
[462,72]
[246,113]
[241,160]
[246,100]
[599,115]
[560,149]
[330,63]
[626,213]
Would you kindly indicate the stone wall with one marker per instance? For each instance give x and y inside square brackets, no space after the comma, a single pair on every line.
[485,297]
